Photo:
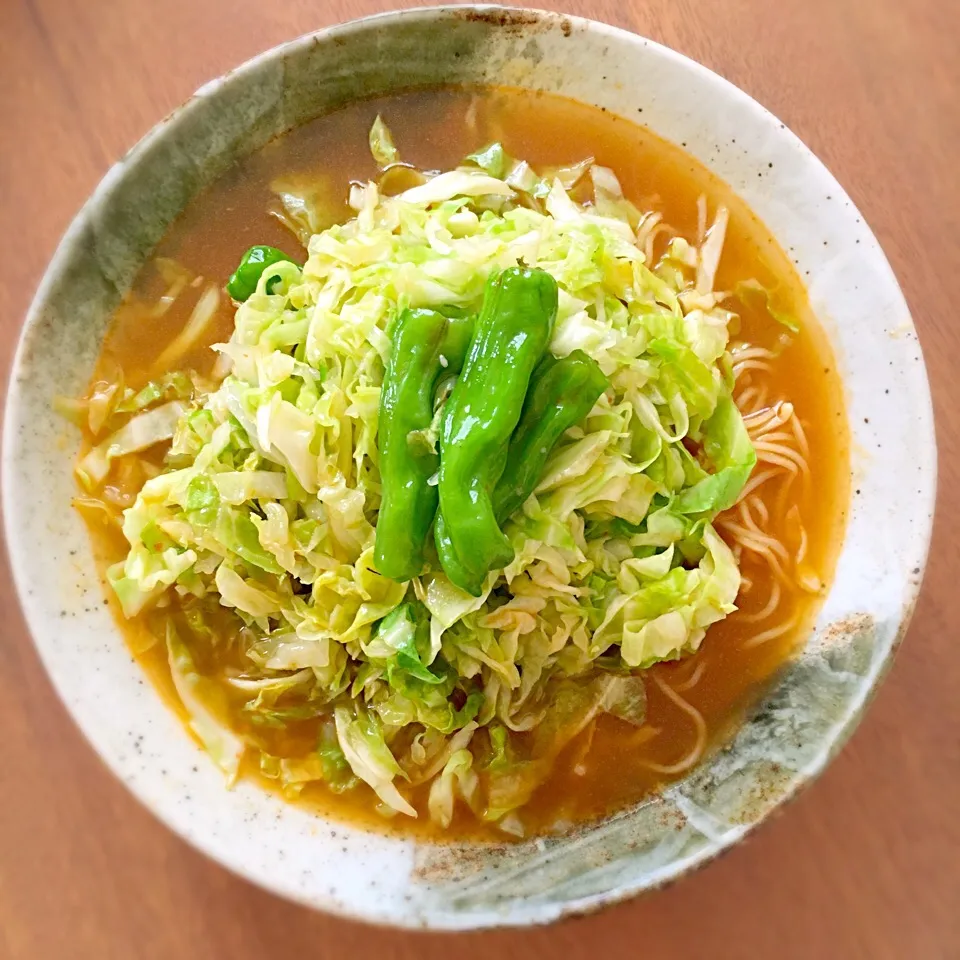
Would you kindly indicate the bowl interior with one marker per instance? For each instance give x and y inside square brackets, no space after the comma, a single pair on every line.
[820,697]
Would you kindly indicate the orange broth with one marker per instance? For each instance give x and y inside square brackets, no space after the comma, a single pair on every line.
[606,768]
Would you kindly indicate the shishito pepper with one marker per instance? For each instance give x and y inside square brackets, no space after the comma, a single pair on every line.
[561,394]
[426,347]
[243,282]
[511,334]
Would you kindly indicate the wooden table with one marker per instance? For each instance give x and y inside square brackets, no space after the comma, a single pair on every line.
[866,864]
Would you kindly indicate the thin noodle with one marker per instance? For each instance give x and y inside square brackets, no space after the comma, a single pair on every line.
[801,436]
[772,633]
[753,397]
[778,571]
[775,543]
[782,451]
[739,368]
[752,353]
[745,516]
[685,763]
[756,540]
[793,516]
[781,457]
[771,434]
[761,548]
[768,417]
[802,547]
[750,415]
[746,507]
[768,610]
[757,480]
[642,736]
[742,399]
[762,510]
[693,679]
[781,504]
[809,581]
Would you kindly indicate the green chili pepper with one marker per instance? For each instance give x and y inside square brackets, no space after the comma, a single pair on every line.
[245,278]
[426,347]
[512,331]
[457,572]
[561,394]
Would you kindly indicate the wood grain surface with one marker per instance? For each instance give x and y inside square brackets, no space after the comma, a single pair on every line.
[866,864]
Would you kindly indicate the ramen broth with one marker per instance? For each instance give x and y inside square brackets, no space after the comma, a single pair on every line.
[694,704]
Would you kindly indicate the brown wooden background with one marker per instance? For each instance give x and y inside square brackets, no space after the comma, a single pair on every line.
[867,863]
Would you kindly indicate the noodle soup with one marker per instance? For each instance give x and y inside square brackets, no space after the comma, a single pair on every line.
[781,530]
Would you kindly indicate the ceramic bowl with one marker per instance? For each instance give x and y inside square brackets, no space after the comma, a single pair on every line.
[804,720]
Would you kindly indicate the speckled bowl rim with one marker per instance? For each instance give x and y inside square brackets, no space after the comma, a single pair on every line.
[439,917]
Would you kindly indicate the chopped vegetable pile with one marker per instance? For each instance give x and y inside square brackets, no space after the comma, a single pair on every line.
[457,486]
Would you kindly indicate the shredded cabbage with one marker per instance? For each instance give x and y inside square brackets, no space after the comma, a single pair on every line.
[268,500]
[196,692]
